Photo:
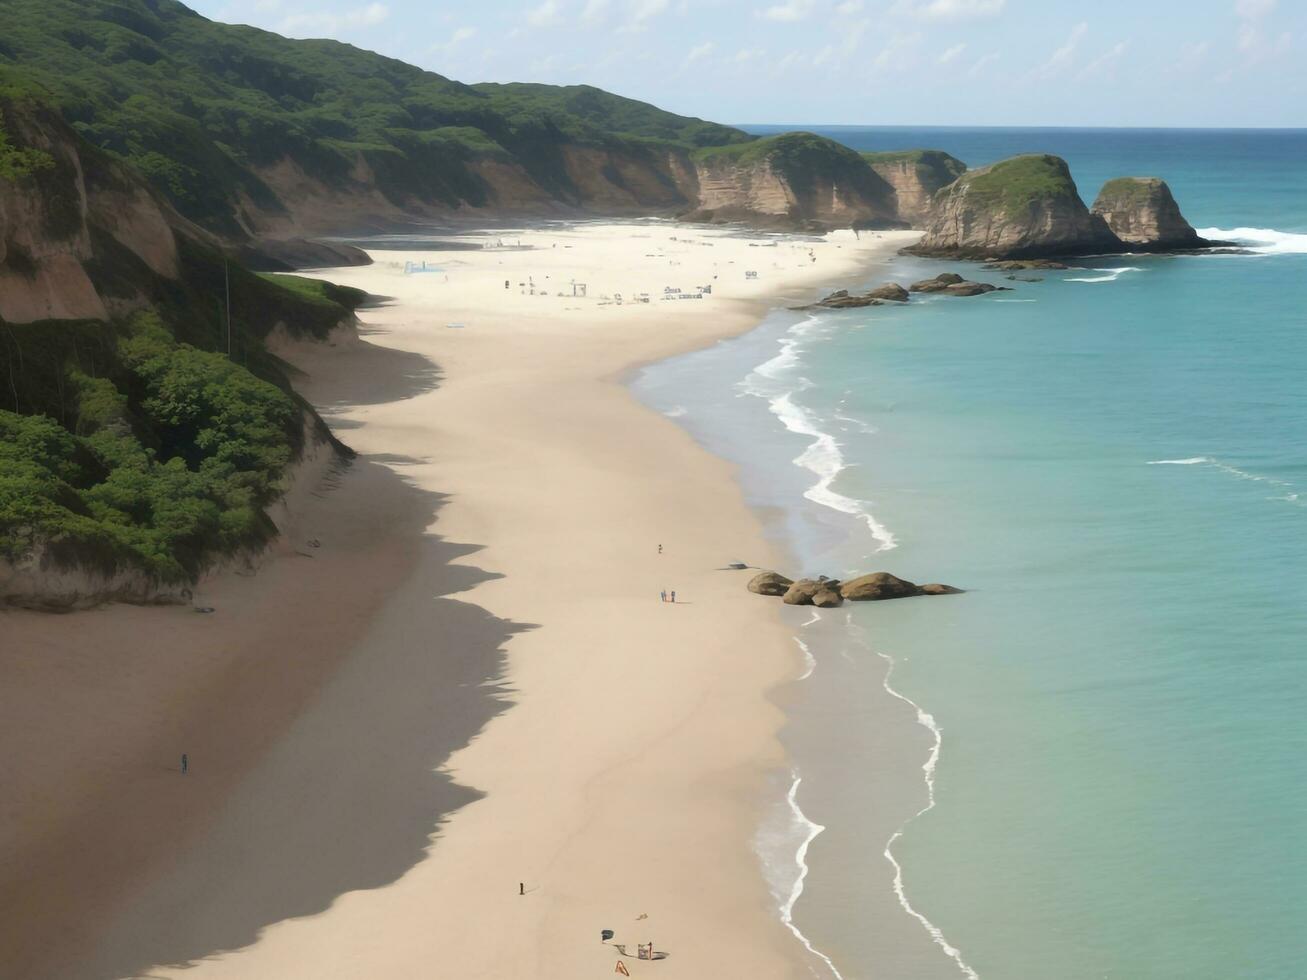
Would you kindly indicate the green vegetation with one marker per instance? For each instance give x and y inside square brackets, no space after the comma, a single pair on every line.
[201,108]
[1124,192]
[156,455]
[340,299]
[1011,185]
[18,162]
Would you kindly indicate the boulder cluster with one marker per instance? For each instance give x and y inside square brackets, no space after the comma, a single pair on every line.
[891,292]
[826,592]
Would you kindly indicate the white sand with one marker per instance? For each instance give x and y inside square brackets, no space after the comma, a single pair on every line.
[628,776]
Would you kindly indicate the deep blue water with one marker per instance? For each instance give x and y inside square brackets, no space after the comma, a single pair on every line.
[1113,461]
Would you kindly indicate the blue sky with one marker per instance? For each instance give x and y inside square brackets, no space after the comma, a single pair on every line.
[869,62]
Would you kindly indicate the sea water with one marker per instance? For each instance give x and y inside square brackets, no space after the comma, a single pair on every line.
[1093,763]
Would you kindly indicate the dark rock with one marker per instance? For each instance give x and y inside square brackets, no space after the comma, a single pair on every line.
[890,291]
[971,288]
[1142,213]
[827,598]
[938,284]
[1016,265]
[1023,207]
[769,583]
[877,585]
[802,592]
[937,588]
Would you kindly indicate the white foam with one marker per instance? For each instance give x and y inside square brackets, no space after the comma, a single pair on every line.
[1191,461]
[777,381]
[927,721]
[809,661]
[675,412]
[1265,241]
[810,831]
[1223,467]
[1112,275]
[824,460]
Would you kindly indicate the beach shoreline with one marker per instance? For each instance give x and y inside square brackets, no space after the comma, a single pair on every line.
[639,758]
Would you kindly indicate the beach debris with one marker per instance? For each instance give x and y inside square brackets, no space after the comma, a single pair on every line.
[204,609]
[770,583]
[737,566]
[605,935]
[621,968]
[828,592]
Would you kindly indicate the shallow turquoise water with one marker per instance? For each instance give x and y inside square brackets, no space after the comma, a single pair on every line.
[1113,468]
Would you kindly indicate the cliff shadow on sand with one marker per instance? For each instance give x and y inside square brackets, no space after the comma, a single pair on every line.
[353,795]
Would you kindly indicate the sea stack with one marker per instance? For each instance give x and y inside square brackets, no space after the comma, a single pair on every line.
[1142,213]
[1023,207]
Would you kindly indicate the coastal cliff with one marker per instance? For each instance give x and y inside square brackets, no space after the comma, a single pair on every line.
[1142,212]
[1026,206]
[916,176]
[70,215]
[791,179]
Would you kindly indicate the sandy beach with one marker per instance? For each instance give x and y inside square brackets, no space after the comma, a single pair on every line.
[469,685]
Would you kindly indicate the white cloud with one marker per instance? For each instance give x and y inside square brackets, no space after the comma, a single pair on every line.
[1062,58]
[951,54]
[545,15]
[594,12]
[640,12]
[1105,63]
[959,9]
[982,63]
[789,11]
[1253,9]
[699,52]
[898,53]
[326,23]
[745,55]
[848,7]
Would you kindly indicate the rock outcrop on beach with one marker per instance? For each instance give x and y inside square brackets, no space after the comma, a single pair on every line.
[792,180]
[1142,212]
[954,285]
[916,176]
[842,299]
[770,583]
[829,592]
[1023,207]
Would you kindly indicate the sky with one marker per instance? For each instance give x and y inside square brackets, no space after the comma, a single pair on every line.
[854,62]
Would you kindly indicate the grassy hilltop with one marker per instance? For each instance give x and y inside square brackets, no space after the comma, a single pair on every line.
[201,108]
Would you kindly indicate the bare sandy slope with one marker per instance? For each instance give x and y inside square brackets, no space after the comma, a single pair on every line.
[627,777]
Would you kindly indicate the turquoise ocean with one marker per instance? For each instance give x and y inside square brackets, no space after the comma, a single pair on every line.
[1094,763]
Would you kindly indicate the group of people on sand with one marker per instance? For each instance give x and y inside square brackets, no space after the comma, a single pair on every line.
[667,596]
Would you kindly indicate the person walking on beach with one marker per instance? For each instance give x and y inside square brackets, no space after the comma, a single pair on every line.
[673,595]
[662,596]
[660,549]
[186,763]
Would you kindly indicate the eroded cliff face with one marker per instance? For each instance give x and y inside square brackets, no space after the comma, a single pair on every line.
[75,210]
[1026,206]
[1142,212]
[916,176]
[764,192]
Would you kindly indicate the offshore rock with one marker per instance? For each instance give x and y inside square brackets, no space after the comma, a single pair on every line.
[1023,207]
[1142,213]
